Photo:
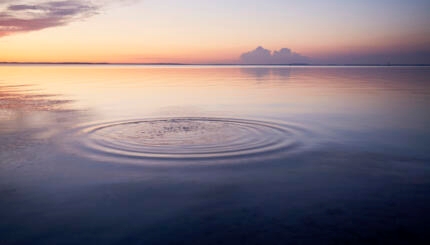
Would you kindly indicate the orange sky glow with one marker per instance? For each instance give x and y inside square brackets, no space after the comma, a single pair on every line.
[210,31]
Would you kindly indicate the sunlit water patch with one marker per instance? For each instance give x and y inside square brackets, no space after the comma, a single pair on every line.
[187,139]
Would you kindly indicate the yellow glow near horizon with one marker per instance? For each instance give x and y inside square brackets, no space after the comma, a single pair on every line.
[178,31]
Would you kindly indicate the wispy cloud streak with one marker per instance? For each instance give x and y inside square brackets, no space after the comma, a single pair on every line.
[18,16]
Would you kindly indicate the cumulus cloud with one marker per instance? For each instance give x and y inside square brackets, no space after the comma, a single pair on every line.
[31,15]
[264,56]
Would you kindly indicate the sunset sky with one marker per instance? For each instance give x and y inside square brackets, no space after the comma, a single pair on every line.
[215,31]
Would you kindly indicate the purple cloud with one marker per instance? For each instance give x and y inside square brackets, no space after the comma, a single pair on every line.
[18,16]
[264,56]
[25,16]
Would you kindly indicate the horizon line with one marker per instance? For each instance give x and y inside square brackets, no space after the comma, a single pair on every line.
[202,64]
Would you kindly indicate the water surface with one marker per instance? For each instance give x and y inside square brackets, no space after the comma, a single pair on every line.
[214,154]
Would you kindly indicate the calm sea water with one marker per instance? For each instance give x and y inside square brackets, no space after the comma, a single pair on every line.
[214,155]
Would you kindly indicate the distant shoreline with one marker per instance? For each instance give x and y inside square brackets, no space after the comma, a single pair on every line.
[190,64]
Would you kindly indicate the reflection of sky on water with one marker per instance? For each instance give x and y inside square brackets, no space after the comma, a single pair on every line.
[360,139]
[267,73]
[347,104]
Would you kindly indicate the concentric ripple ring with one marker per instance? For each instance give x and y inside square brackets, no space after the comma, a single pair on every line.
[188,138]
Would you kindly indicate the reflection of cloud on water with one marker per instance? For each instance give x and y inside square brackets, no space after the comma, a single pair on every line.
[15,98]
[283,72]
[22,109]
[259,73]
[267,73]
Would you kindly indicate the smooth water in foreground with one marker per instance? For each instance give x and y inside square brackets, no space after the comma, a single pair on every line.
[214,155]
